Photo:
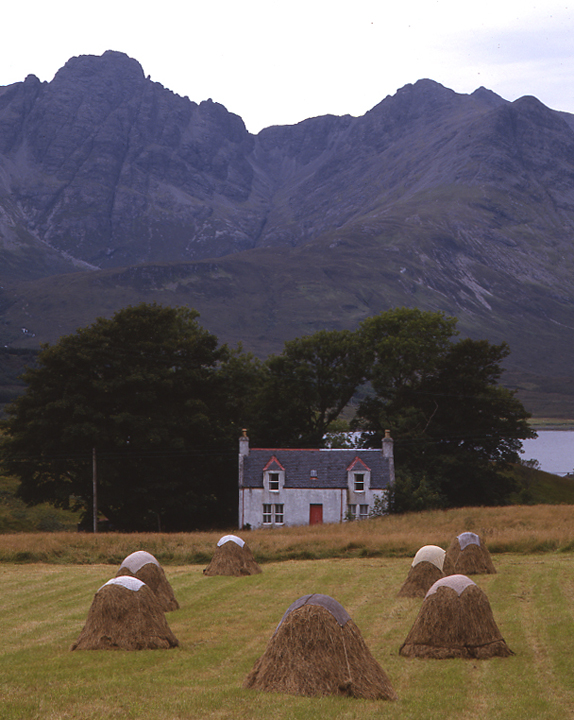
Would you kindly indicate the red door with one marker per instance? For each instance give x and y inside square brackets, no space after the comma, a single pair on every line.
[315,514]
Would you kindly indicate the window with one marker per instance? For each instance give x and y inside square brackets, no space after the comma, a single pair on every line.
[273,514]
[352,512]
[274,481]
[358,478]
[364,512]
[274,478]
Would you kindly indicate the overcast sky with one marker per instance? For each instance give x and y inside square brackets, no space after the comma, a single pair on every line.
[279,63]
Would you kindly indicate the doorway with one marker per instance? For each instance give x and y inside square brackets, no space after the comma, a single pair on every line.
[315,514]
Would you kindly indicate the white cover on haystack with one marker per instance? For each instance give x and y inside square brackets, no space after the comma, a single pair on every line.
[137,560]
[231,538]
[127,581]
[430,553]
[458,583]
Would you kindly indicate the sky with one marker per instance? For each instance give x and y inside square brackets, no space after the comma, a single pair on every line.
[277,63]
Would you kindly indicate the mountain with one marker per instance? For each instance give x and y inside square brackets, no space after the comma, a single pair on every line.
[114,189]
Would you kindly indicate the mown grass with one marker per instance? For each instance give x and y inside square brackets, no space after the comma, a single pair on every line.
[224,624]
[518,529]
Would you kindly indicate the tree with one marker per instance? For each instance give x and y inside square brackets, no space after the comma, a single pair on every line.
[305,389]
[455,428]
[163,405]
[146,390]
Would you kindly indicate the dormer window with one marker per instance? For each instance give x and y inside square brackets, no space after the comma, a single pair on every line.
[274,481]
[358,477]
[273,475]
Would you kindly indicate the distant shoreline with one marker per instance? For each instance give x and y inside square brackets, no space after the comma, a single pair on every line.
[550,424]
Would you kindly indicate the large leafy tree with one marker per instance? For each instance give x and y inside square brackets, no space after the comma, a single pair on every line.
[148,390]
[404,347]
[454,426]
[305,388]
[162,403]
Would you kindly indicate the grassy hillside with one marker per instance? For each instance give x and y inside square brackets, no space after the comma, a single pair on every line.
[264,297]
[537,486]
[224,624]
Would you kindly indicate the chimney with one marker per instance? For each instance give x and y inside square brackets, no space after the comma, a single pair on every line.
[243,453]
[388,453]
[244,443]
[388,444]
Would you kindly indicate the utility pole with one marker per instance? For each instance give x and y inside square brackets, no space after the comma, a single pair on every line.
[95,490]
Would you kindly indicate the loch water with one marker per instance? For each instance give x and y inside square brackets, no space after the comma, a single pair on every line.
[554,450]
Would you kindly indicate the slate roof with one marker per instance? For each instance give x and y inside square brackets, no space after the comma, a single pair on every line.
[331,467]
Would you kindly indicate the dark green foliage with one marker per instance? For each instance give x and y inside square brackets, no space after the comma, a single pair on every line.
[147,389]
[15,516]
[13,362]
[409,495]
[163,405]
[306,388]
[454,427]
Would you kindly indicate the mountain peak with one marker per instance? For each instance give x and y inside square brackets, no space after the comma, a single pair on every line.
[111,62]
[485,95]
[426,87]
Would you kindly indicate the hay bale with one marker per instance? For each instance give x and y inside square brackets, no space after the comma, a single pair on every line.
[146,568]
[420,579]
[470,556]
[455,621]
[318,650]
[448,567]
[428,566]
[125,615]
[233,557]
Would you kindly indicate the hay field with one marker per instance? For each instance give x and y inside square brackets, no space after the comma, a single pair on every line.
[223,626]
[514,528]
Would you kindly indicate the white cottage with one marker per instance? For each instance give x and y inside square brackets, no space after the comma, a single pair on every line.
[279,486]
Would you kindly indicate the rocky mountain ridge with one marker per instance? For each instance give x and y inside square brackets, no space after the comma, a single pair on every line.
[111,169]
[463,203]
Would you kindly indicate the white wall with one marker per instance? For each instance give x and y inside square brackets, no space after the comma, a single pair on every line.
[296,502]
